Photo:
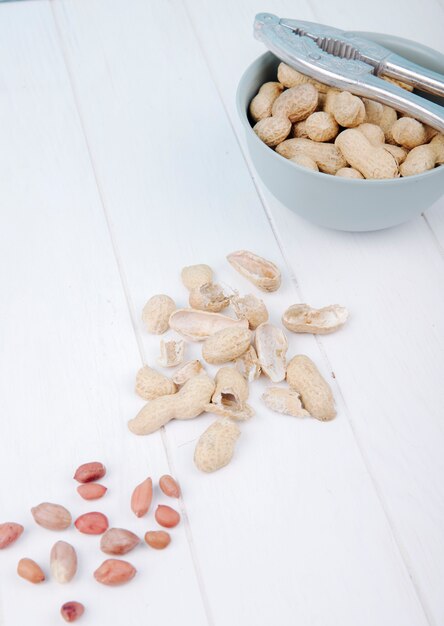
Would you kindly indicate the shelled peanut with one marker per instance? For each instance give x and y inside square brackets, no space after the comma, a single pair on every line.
[324,129]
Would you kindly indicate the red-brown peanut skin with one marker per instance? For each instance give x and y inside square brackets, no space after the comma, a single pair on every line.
[93,523]
[89,472]
[91,491]
[166,516]
[157,539]
[72,611]
[9,532]
[169,486]
[114,572]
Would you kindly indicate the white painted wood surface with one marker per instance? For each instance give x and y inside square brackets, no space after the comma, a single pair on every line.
[121,160]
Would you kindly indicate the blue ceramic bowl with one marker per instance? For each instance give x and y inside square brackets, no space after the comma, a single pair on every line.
[332,201]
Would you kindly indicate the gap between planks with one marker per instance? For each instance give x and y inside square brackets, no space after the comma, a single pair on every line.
[131,312]
[294,281]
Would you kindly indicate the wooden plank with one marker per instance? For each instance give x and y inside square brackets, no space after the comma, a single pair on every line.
[388,361]
[293,530]
[68,351]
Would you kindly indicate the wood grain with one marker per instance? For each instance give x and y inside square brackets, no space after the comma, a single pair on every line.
[68,351]
[302,514]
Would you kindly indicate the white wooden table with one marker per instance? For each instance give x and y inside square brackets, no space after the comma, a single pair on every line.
[121,160]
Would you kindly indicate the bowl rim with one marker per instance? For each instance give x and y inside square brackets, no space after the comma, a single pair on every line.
[437,171]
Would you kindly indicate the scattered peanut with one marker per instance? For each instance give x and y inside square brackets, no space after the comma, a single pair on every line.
[248,365]
[260,106]
[226,345]
[93,523]
[9,532]
[187,371]
[89,472]
[157,539]
[91,491]
[30,571]
[187,403]
[171,353]
[151,384]
[271,347]
[63,562]
[317,398]
[215,447]
[273,130]
[284,401]
[196,275]
[141,498]
[169,486]
[199,325]
[72,611]
[231,388]
[166,516]
[251,309]
[208,297]
[118,541]
[156,313]
[51,516]
[262,273]
[114,572]
[301,318]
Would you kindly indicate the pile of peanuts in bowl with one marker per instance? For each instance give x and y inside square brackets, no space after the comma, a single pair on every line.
[331,131]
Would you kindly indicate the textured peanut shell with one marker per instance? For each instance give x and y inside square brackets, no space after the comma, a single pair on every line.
[273,130]
[216,445]
[260,106]
[187,371]
[250,308]
[373,111]
[187,403]
[226,345]
[398,153]
[208,297]
[171,353]
[156,313]
[326,155]
[373,132]
[372,161]
[304,377]
[271,347]
[248,365]
[285,401]
[408,133]
[262,273]
[196,275]
[151,384]
[296,103]
[301,318]
[438,145]
[239,415]
[348,110]
[199,325]
[305,161]
[299,129]
[231,388]
[321,126]
[349,172]
[388,118]
[418,160]
[290,77]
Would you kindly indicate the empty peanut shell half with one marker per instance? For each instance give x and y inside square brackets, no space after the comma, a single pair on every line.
[238,415]
[262,273]
[187,371]
[301,318]
[286,401]
[231,388]
[250,308]
[199,325]
[171,353]
[271,347]
[248,365]
[208,297]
